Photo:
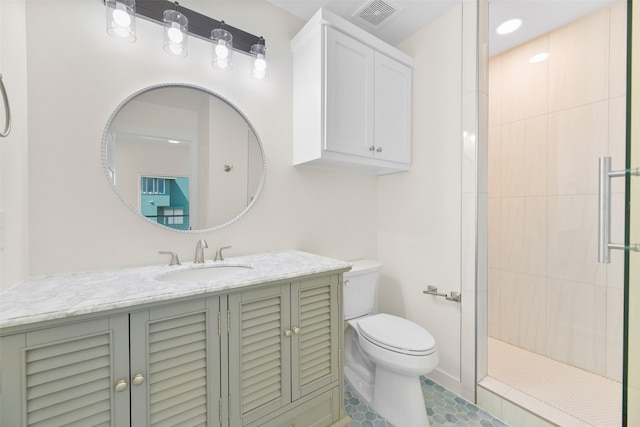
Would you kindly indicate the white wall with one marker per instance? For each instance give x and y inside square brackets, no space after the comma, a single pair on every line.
[419,212]
[77,78]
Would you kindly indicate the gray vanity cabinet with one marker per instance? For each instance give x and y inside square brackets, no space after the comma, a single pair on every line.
[284,360]
[151,367]
[265,354]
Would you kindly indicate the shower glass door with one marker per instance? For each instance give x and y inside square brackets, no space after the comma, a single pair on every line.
[632,377]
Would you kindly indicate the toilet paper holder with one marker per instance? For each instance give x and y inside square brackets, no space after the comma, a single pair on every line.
[453,296]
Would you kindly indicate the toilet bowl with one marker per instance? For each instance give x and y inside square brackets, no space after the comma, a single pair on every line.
[384,354]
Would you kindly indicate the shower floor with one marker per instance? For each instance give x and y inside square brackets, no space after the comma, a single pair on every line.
[548,387]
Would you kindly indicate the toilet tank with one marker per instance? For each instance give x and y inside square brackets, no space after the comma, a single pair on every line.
[359,288]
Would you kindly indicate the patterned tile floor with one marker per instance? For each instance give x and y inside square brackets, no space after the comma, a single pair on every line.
[444,409]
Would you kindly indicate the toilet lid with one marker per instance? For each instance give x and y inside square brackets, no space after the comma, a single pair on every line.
[397,334]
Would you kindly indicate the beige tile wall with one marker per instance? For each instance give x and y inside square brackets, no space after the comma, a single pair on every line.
[549,123]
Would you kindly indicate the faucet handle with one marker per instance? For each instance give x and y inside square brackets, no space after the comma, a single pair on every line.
[174,257]
[219,256]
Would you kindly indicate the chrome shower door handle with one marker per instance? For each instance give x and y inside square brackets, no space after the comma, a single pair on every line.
[604,209]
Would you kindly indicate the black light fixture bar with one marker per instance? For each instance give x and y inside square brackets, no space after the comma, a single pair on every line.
[199,25]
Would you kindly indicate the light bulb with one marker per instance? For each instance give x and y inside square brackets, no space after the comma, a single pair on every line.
[120,16]
[120,32]
[221,49]
[260,64]
[175,49]
[174,33]
[222,63]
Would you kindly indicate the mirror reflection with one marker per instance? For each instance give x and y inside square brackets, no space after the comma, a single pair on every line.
[183,157]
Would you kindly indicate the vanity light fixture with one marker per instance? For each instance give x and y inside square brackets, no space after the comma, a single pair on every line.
[176,32]
[509,26]
[222,48]
[121,19]
[179,25]
[259,62]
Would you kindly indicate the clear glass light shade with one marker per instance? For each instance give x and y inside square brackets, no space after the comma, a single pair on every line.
[121,19]
[259,61]
[222,49]
[176,33]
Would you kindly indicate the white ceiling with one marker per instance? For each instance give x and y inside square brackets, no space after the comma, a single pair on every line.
[540,16]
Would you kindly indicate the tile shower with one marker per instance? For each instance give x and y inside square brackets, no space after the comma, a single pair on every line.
[548,124]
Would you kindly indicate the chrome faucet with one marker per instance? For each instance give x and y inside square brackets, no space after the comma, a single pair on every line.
[199,258]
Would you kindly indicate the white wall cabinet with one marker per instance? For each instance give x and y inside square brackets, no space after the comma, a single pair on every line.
[352,98]
[267,355]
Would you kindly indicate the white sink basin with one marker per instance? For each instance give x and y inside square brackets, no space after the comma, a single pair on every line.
[196,274]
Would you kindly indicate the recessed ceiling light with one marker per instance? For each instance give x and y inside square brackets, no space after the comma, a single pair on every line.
[509,26]
[539,57]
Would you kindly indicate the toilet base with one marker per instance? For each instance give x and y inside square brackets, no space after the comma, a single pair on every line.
[361,386]
[399,399]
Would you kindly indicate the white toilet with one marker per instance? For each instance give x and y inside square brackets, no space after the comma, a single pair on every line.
[384,354]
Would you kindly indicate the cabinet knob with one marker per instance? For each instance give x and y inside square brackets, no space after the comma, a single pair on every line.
[372,148]
[379,150]
[121,386]
[138,379]
[287,332]
[296,330]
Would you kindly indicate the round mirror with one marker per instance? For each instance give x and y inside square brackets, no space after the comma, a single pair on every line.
[183,157]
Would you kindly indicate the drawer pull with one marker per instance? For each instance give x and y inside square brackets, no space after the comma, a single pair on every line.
[138,379]
[121,386]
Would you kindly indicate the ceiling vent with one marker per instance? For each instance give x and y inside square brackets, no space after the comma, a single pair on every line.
[376,12]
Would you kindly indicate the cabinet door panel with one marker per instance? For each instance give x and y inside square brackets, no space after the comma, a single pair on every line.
[173,343]
[315,356]
[393,110]
[349,91]
[68,374]
[259,353]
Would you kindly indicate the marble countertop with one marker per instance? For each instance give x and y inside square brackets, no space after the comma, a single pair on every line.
[58,296]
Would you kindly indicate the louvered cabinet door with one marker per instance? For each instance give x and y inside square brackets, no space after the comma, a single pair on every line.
[66,375]
[175,365]
[259,353]
[315,311]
